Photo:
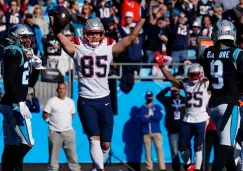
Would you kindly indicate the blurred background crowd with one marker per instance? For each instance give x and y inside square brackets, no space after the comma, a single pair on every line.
[172,29]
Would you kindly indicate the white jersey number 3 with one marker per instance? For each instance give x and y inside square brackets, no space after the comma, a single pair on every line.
[216,68]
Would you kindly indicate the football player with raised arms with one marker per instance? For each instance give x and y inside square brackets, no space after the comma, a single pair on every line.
[92,56]
[20,70]
[196,87]
[223,65]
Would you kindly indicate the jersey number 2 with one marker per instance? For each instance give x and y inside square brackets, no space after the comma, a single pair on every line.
[25,76]
[216,68]
[196,96]
[87,66]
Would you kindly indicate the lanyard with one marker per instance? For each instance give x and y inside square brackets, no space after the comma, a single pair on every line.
[177,105]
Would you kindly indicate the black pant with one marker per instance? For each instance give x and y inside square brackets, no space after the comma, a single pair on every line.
[211,140]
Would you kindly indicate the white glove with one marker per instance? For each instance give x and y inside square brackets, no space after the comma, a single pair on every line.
[37,62]
[24,110]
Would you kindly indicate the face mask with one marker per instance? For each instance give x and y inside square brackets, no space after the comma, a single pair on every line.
[149,100]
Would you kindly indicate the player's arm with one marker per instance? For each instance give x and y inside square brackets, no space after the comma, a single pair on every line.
[33,77]
[45,116]
[240,69]
[65,43]
[12,61]
[121,45]
[46,111]
[157,115]
[160,61]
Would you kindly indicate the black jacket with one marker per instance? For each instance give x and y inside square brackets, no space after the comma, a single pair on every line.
[172,125]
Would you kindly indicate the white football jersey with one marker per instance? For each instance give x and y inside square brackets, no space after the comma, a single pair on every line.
[197,98]
[92,67]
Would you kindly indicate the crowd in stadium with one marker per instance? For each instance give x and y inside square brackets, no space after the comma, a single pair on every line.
[169,35]
[195,18]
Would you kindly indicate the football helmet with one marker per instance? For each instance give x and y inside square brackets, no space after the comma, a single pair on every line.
[93,25]
[21,35]
[224,30]
[195,73]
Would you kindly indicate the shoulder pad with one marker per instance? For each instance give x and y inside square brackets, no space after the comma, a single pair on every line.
[205,79]
[110,41]
[185,80]
[13,50]
[76,40]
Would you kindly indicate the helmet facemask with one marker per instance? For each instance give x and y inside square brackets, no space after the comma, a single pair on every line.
[27,42]
[93,42]
[195,76]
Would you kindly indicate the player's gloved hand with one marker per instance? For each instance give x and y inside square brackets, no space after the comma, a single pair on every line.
[145,10]
[24,110]
[36,62]
[159,58]
[56,10]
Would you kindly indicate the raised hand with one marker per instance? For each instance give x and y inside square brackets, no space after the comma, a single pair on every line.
[145,10]
[159,58]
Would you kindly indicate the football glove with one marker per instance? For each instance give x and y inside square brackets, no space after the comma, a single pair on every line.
[145,10]
[56,10]
[36,62]
[24,110]
[159,58]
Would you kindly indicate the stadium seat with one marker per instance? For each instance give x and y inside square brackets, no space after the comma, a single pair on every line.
[145,72]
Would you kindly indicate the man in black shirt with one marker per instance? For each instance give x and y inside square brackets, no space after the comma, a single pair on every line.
[20,70]
[175,111]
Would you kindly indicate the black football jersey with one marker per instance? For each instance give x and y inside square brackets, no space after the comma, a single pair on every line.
[16,75]
[204,6]
[224,73]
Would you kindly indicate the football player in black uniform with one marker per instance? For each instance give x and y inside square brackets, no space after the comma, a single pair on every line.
[20,70]
[223,66]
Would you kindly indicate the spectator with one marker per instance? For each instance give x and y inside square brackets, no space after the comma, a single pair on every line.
[39,20]
[218,11]
[228,5]
[156,36]
[14,14]
[150,115]
[3,30]
[207,27]
[38,34]
[58,113]
[194,33]
[189,8]
[204,7]
[175,111]
[180,39]
[32,101]
[86,13]
[237,13]
[132,6]
[104,10]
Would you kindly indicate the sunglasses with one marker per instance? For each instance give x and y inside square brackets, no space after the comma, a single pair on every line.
[13,4]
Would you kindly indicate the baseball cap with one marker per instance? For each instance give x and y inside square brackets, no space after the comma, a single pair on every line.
[129,14]
[29,15]
[149,94]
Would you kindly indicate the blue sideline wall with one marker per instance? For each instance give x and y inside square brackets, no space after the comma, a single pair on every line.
[127,143]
